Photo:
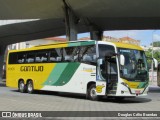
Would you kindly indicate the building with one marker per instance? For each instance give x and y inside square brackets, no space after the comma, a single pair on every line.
[28,44]
[129,40]
[123,40]
[110,39]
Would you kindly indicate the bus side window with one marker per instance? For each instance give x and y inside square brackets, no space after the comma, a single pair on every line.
[41,56]
[55,55]
[30,57]
[12,58]
[21,57]
[68,54]
[88,54]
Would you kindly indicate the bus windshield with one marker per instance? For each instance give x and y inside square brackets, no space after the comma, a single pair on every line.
[135,67]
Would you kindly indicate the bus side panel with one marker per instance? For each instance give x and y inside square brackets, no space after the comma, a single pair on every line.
[38,73]
[64,77]
[73,77]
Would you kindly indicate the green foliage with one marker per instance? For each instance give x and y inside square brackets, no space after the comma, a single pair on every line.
[156,44]
[156,55]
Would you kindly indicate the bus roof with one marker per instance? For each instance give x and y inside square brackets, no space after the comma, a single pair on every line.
[58,45]
[78,43]
[125,45]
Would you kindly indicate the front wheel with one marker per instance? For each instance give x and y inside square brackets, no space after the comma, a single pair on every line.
[30,88]
[91,93]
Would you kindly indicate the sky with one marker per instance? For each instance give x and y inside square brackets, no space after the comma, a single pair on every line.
[145,36]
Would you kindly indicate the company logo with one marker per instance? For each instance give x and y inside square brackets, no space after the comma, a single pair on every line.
[89,69]
[21,115]
[99,88]
[6,114]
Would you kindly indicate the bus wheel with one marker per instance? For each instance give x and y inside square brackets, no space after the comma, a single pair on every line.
[91,93]
[30,88]
[21,86]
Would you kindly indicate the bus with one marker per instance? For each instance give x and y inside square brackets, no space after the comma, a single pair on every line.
[93,68]
[158,75]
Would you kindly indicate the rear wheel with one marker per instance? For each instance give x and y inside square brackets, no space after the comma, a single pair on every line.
[30,88]
[91,93]
[21,86]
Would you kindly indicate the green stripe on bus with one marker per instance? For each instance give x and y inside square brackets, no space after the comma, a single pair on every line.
[67,74]
[74,44]
[56,73]
[83,43]
[88,43]
[142,85]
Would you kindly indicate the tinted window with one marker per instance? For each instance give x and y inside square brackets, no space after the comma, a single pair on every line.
[88,54]
[12,58]
[70,54]
[41,56]
[30,57]
[104,49]
[55,55]
[21,57]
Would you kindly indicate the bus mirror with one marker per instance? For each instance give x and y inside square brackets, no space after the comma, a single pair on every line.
[100,61]
[155,63]
[122,59]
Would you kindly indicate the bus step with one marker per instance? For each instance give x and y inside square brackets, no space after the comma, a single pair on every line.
[114,88]
[112,91]
[110,94]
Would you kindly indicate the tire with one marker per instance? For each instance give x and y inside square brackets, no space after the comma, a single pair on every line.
[91,93]
[21,86]
[30,88]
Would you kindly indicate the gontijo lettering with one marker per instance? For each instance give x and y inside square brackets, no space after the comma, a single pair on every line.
[32,68]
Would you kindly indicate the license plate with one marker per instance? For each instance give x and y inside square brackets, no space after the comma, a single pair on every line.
[137,91]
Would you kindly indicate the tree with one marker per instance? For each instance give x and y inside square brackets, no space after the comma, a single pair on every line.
[156,44]
[156,55]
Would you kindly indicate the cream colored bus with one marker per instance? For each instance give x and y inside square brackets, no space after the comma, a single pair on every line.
[94,68]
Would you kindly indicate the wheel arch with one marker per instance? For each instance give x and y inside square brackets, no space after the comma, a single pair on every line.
[90,83]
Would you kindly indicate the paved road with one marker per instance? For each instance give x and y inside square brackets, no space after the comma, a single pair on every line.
[12,100]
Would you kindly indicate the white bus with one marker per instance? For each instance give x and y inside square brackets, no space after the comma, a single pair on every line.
[94,68]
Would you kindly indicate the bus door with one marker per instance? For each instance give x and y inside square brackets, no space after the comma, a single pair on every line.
[100,80]
[111,73]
